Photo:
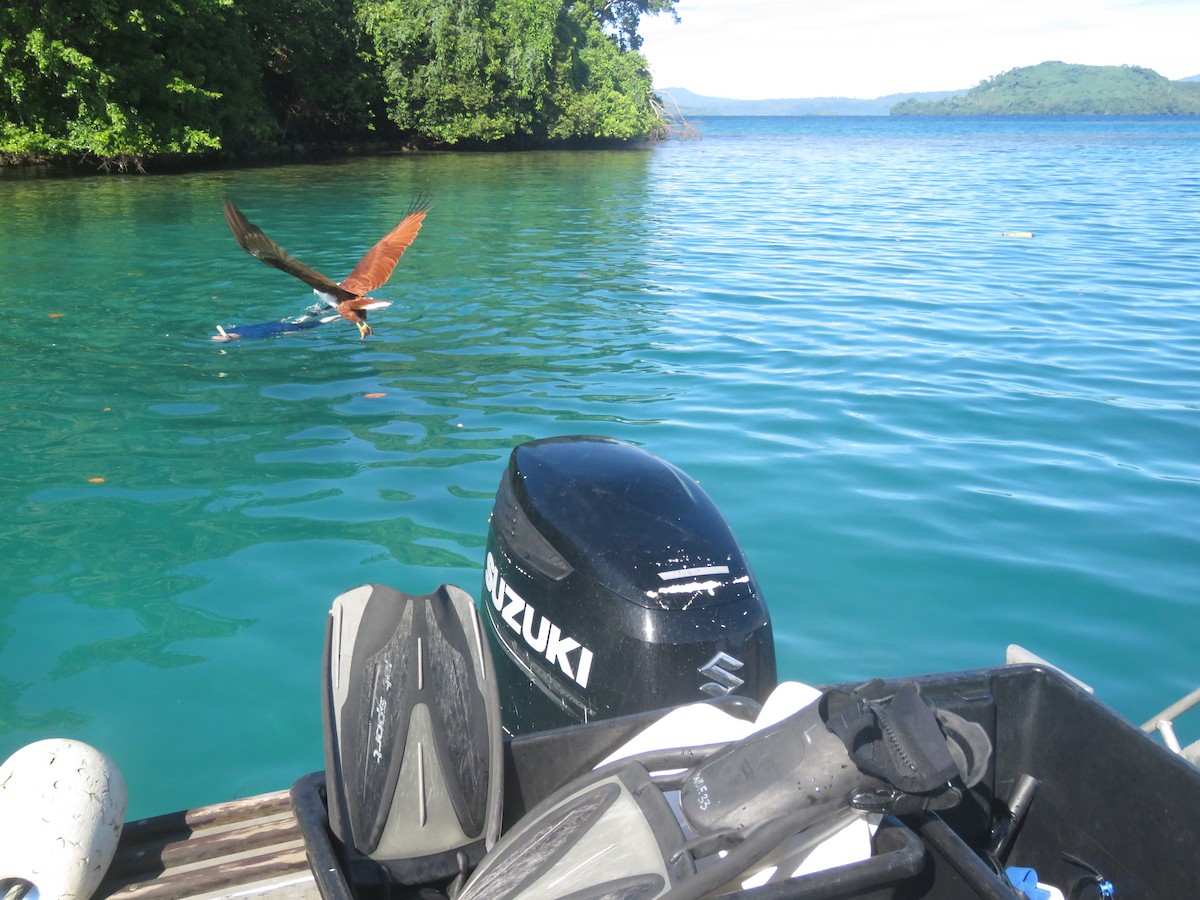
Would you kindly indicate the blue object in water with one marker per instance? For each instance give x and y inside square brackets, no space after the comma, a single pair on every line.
[271,329]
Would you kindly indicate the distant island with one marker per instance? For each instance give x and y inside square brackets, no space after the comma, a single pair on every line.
[691,104]
[1051,88]
[1063,89]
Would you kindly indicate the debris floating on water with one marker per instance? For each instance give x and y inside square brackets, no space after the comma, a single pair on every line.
[1018,234]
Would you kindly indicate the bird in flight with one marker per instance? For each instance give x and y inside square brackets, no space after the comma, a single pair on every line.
[349,296]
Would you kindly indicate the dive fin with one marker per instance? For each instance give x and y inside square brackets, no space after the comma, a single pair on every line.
[610,833]
[413,743]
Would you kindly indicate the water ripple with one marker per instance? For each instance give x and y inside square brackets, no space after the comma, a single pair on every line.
[932,438]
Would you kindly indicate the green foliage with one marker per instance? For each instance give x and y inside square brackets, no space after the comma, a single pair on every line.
[488,70]
[598,90]
[119,82]
[622,17]
[1055,89]
[317,79]
[445,69]
[95,77]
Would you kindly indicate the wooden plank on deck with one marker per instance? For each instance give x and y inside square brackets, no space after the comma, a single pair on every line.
[243,848]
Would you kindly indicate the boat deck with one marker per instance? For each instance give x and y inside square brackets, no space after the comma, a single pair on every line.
[243,848]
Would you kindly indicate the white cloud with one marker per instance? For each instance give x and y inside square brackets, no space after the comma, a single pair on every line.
[867,48]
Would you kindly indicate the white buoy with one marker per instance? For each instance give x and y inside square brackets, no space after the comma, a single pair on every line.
[62,807]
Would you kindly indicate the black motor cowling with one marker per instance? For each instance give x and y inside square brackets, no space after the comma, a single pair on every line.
[613,585]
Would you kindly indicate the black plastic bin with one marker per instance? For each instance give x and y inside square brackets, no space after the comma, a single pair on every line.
[898,854]
[1110,801]
[538,764]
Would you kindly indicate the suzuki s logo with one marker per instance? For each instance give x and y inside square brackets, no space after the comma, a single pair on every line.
[546,638]
[720,669]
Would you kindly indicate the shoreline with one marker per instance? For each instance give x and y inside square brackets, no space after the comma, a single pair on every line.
[84,165]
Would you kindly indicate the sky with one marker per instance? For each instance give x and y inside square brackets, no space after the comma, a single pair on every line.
[762,49]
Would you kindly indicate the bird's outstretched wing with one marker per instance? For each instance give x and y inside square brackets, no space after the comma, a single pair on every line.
[374,269]
[251,239]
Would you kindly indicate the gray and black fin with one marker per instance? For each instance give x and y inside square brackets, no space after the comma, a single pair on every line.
[413,742]
[608,834]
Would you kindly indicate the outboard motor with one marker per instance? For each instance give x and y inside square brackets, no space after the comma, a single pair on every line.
[613,585]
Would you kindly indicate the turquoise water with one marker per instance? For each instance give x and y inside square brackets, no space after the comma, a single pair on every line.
[931,438]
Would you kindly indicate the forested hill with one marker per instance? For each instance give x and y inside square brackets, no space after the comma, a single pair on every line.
[1061,89]
[118,83]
